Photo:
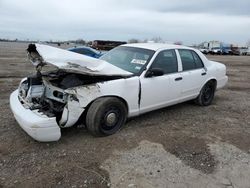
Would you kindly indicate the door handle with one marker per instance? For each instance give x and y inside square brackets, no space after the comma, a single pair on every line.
[203,74]
[178,79]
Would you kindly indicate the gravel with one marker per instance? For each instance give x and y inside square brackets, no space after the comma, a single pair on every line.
[179,146]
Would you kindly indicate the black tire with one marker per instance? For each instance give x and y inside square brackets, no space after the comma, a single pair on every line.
[106,116]
[206,95]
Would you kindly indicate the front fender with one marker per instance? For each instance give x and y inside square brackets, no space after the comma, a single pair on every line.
[126,89]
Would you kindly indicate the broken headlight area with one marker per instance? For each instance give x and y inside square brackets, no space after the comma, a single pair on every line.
[36,93]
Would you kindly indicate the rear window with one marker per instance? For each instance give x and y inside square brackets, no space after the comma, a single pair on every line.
[190,60]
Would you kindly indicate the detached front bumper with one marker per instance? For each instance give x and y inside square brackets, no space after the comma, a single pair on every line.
[38,126]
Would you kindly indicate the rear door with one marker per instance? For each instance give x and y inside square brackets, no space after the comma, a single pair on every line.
[193,73]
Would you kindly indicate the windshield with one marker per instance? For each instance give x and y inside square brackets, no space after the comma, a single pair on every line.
[130,59]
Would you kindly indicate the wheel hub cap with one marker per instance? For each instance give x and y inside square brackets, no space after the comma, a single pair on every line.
[111,119]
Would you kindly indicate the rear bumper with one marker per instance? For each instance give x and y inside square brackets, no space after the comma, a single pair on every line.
[222,82]
[38,126]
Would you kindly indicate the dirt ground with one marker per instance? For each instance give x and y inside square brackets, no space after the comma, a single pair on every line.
[180,146]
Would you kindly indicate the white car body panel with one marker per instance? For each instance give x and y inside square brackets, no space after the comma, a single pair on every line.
[149,85]
[39,127]
[139,93]
[120,88]
[165,86]
[73,62]
[192,83]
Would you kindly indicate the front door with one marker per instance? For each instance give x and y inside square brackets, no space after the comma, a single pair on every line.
[164,90]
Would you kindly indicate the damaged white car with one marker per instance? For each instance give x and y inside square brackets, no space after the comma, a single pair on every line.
[102,93]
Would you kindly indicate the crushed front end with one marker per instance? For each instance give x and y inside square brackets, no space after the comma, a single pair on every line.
[48,101]
[41,106]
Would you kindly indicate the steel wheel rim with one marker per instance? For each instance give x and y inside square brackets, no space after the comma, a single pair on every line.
[111,119]
[208,93]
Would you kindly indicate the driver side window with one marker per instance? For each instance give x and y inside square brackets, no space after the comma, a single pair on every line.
[167,61]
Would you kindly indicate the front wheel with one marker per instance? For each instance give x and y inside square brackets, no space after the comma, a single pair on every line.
[106,116]
[206,95]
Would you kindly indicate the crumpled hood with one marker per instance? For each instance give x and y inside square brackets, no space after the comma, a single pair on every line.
[40,54]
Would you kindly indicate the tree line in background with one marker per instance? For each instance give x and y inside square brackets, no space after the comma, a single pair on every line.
[84,42]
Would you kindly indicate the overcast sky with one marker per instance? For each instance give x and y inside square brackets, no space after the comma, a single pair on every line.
[190,21]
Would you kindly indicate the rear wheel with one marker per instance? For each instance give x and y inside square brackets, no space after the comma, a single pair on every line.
[206,95]
[106,116]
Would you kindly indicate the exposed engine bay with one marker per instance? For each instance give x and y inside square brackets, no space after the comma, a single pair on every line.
[45,92]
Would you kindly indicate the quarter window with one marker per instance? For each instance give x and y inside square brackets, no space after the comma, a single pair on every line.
[167,61]
[190,60]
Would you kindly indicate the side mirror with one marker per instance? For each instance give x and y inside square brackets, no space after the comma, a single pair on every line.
[154,72]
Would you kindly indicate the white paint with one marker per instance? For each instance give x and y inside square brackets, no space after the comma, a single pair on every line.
[71,113]
[40,128]
[127,89]
[156,92]
[74,62]
[139,61]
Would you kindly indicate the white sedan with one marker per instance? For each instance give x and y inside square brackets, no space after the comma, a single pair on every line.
[127,81]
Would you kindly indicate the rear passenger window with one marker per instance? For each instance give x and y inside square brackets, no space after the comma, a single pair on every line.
[197,59]
[167,61]
[190,60]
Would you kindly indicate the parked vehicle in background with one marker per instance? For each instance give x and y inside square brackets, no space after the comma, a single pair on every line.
[204,50]
[248,51]
[215,47]
[244,50]
[235,50]
[216,51]
[204,47]
[220,48]
[225,49]
[84,50]
[102,93]
[106,44]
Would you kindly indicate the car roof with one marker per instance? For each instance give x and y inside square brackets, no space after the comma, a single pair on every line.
[78,47]
[156,46]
